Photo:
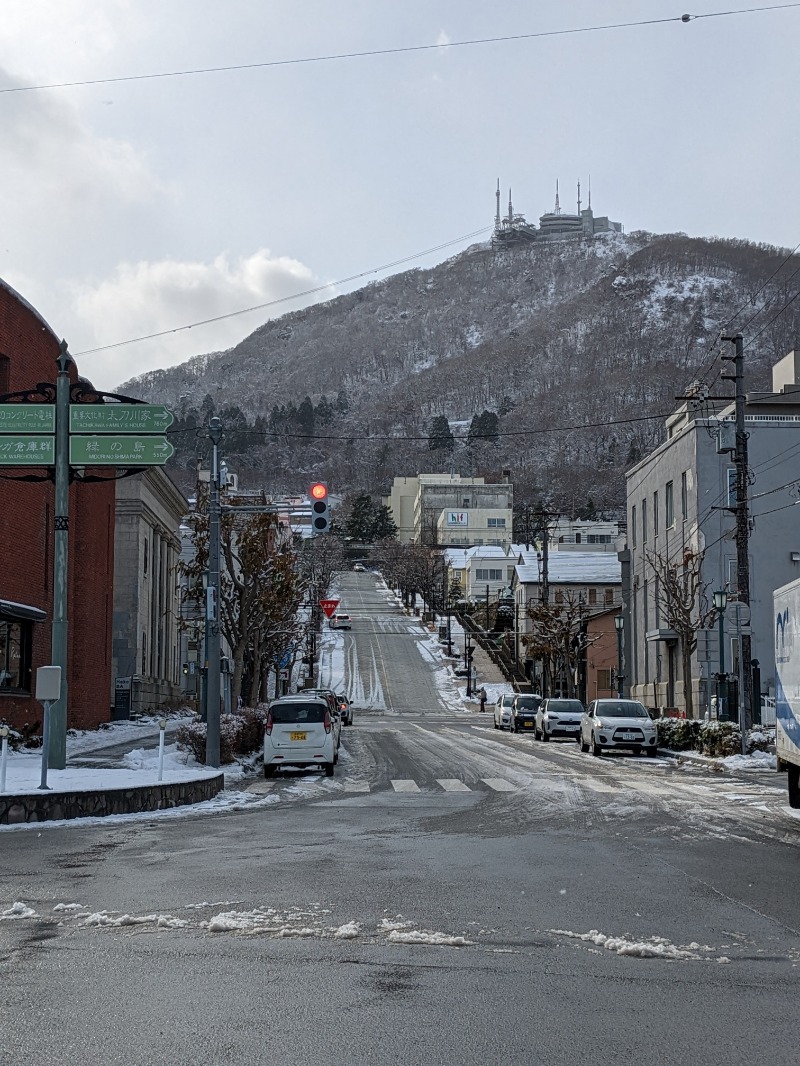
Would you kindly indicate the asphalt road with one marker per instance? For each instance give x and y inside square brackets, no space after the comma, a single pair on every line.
[433,903]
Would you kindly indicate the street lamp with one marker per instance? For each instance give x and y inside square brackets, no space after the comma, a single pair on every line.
[720,603]
[619,622]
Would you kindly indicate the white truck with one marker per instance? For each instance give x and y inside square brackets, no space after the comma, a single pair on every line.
[787,684]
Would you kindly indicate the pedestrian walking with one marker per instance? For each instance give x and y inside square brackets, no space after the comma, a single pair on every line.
[482,696]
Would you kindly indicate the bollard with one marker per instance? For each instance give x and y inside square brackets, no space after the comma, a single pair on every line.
[3,757]
[162,725]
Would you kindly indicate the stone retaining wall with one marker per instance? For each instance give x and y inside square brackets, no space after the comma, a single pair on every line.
[53,806]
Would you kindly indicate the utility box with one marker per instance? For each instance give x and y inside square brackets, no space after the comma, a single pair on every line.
[48,684]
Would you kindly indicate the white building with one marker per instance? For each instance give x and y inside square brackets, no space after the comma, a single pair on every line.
[447,509]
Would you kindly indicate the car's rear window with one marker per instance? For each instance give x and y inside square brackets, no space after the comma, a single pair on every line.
[621,710]
[298,712]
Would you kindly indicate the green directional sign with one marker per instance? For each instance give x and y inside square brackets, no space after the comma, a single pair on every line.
[27,451]
[119,451]
[27,418]
[119,418]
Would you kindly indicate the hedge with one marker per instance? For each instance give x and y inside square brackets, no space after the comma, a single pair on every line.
[241,733]
[717,739]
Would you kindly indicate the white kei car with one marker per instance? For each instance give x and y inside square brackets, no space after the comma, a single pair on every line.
[300,731]
[611,723]
[502,711]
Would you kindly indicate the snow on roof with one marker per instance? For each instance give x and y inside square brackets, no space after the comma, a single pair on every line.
[574,568]
[458,558]
[28,306]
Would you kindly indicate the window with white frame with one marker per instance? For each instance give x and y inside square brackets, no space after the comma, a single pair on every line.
[496,523]
[488,575]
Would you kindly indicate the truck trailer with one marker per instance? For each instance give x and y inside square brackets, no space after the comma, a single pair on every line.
[787,688]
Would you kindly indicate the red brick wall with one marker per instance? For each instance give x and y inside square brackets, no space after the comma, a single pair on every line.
[26,542]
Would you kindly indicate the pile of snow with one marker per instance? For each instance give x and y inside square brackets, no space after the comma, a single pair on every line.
[116,921]
[424,936]
[348,931]
[654,947]
[17,910]
[757,760]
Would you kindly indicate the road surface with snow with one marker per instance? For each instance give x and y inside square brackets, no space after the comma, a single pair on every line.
[453,895]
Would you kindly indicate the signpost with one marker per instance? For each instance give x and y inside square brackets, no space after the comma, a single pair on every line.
[119,451]
[119,418]
[27,418]
[27,451]
[329,607]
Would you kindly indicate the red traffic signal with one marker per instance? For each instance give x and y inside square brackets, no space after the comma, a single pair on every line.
[318,491]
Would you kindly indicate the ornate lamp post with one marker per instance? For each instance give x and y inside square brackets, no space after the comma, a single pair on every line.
[619,622]
[720,603]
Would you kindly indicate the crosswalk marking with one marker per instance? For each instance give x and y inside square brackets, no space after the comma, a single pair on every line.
[499,785]
[452,784]
[356,786]
[405,786]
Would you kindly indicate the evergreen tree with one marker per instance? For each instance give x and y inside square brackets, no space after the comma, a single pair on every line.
[440,436]
[305,416]
[360,521]
[324,412]
[484,427]
[383,526]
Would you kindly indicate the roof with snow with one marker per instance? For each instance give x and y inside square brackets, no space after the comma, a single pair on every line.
[459,558]
[574,568]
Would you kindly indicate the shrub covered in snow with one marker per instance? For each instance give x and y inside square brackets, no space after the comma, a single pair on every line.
[678,734]
[239,734]
[719,739]
[713,738]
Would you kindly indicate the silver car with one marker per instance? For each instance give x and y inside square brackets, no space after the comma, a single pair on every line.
[502,711]
[618,724]
[558,718]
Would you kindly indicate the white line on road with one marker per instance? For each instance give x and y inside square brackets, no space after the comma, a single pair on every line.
[405,786]
[356,786]
[499,785]
[452,784]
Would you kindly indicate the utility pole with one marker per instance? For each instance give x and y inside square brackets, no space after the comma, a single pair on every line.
[213,650]
[742,518]
[57,740]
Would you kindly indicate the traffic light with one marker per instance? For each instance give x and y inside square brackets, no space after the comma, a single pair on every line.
[320,510]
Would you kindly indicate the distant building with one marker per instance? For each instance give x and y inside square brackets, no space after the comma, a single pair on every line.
[512,229]
[450,510]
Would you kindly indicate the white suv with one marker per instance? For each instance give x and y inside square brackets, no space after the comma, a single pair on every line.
[502,711]
[618,724]
[299,732]
[341,621]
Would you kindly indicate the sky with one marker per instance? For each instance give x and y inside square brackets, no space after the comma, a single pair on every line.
[135,207]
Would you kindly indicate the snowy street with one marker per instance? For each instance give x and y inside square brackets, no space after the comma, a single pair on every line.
[454,895]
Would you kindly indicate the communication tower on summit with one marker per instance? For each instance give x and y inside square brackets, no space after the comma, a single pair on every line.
[512,230]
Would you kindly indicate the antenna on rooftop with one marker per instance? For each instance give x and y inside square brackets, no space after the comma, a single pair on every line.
[497,215]
[510,208]
[557,208]
[579,197]
[590,192]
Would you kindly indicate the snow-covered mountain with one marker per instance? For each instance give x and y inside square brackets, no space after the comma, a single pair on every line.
[567,342]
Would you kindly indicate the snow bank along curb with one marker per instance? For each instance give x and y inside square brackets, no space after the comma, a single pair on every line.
[55,806]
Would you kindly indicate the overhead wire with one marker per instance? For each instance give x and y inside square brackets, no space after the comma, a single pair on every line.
[399,50]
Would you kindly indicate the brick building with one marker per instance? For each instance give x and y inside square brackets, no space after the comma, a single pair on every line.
[28,351]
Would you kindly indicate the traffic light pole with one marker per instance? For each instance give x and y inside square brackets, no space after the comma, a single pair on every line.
[57,738]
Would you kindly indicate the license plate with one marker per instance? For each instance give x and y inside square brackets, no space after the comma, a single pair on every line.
[528,725]
[629,736]
[298,736]
[573,728]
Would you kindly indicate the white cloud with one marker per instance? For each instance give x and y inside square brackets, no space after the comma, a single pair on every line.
[443,40]
[149,297]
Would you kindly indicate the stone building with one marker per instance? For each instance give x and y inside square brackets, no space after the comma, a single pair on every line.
[145,649]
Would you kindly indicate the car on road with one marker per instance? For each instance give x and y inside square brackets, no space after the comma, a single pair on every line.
[359,569]
[558,717]
[345,709]
[341,621]
[502,711]
[336,712]
[614,723]
[300,731]
[523,712]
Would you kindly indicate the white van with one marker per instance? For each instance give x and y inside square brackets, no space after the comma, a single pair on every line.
[299,732]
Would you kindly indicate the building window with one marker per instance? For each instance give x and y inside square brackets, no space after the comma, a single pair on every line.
[15,656]
[609,597]
[633,524]
[496,523]
[577,538]
[592,597]
[684,497]
[655,515]
[465,502]
[644,521]
[669,507]
[146,555]
[599,538]
[488,575]
[604,679]
[144,654]
[559,595]
[731,486]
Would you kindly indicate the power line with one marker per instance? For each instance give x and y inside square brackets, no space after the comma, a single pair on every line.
[284,299]
[510,38]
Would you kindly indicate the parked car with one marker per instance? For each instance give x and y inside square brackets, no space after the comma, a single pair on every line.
[341,621]
[611,723]
[336,714]
[523,712]
[502,711]
[300,731]
[359,569]
[558,717]
[345,709]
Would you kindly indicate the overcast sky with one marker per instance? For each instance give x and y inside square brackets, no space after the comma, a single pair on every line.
[142,206]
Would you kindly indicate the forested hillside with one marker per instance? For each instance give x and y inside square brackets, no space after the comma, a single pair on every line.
[561,342]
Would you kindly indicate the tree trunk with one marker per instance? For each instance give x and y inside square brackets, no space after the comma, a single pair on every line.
[688,699]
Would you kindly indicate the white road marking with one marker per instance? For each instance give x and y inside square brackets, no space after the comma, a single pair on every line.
[452,784]
[498,784]
[356,786]
[405,786]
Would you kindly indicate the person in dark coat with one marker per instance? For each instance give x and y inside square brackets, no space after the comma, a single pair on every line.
[482,697]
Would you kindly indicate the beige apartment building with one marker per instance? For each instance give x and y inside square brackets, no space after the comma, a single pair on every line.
[452,511]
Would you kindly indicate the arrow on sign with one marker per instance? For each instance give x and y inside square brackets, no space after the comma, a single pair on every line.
[329,607]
